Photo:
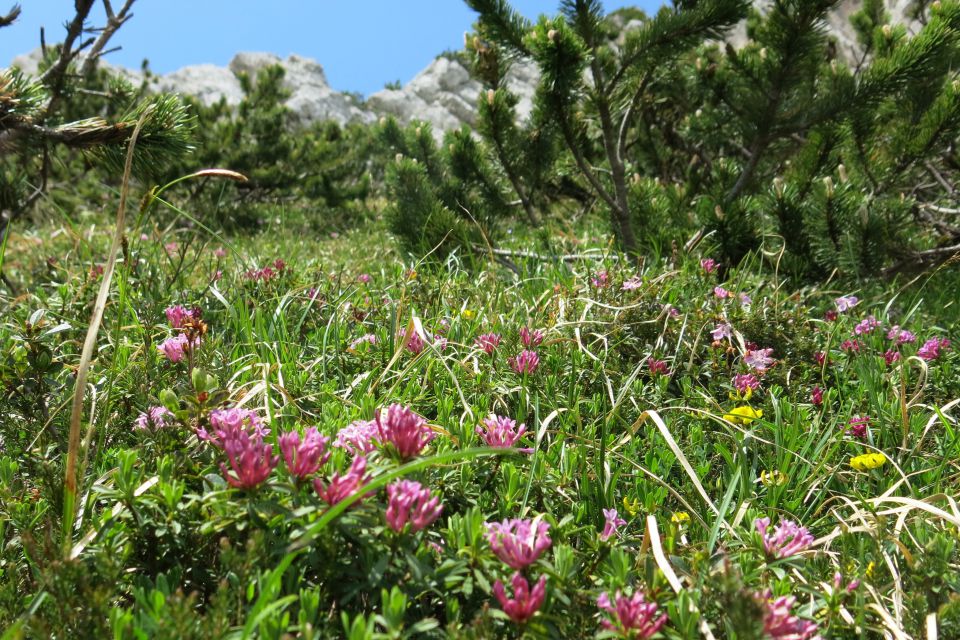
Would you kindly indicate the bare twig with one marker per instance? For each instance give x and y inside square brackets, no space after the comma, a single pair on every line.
[114,22]
[55,76]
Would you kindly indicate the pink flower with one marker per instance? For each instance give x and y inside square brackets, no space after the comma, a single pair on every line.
[845,303]
[857,427]
[745,300]
[153,419]
[250,459]
[745,381]
[416,343]
[672,310]
[363,278]
[721,293]
[531,338]
[866,325]
[779,623]
[932,347]
[500,432]
[525,602]
[177,347]
[526,362]
[488,342]
[405,431]
[601,280]
[171,247]
[369,338]
[901,336]
[408,501]
[613,522]
[657,367]
[709,265]
[890,356]
[358,437]
[787,539]
[723,330]
[219,252]
[820,357]
[227,423]
[850,346]
[342,487]
[176,315]
[632,284]
[831,315]
[304,457]
[633,617]
[518,543]
[816,396]
[758,359]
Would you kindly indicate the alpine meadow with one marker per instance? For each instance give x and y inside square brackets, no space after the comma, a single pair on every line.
[608,324]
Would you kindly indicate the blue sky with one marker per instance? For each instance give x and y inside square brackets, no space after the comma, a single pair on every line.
[362,44]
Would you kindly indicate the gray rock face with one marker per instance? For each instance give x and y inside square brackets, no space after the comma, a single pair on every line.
[443,94]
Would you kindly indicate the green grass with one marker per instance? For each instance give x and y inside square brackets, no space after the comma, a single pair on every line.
[164,547]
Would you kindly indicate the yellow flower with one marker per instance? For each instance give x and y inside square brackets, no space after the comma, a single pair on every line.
[868,461]
[868,572]
[468,314]
[744,414]
[412,274]
[736,395]
[631,507]
[680,519]
[773,478]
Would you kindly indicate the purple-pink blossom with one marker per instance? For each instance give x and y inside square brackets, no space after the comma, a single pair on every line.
[613,521]
[746,382]
[409,502]
[722,330]
[632,617]
[343,486]
[358,437]
[518,543]
[631,284]
[758,359]
[600,280]
[857,427]
[177,347]
[176,315]
[251,460]
[867,325]
[721,293]
[709,265]
[779,622]
[845,303]
[787,539]
[228,423]
[406,432]
[500,432]
[368,338]
[900,336]
[363,278]
[304,456]
[153,419]
[416,344]
[657,367]
[531,338]
[525,362]
[816,396]
[931,348]
[487,342]
[525,601]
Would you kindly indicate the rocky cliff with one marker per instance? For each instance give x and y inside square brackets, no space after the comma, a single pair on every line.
[443,94]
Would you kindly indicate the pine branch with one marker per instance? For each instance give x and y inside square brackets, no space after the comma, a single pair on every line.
[55,76]
[502,23]
[12,15]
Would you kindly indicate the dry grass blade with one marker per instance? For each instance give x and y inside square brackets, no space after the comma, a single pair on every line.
[89,343]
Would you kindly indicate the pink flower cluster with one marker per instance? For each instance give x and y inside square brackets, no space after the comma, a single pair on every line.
[177,314]
[867,325]
[368,338]
[408,502]
[931,348]
[657,367]
[900,336]
[177,347]
[722,331]
[600,280]
[488,342]
[358,437]
[857,427]
[239,433]
[525,362]
[501,432]
[632,617]
[758,359]
[779,622]
[518,543]
[787,539]
[266,274]
[403,430]
[304,456]
[845,303]
[744,382]
[153,419]
[531,338]
[342,486]
[709,265]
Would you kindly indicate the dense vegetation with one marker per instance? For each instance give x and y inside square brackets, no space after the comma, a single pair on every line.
[535,381]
